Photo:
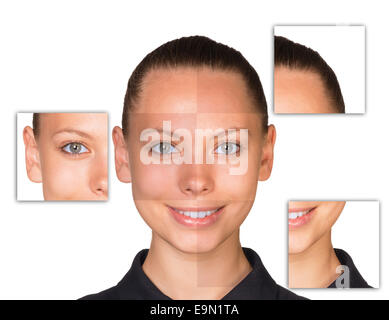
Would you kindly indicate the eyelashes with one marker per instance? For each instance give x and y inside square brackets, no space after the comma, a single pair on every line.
[226,148]
[164,148]
[74,148]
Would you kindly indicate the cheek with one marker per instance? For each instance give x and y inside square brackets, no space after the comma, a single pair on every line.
[300,240]
[64,179]
[154,182]
[327,215]
[243,186]
[234,187]
[334,210]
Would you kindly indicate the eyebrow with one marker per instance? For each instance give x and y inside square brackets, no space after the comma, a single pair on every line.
[74,131]
[160,130]
[236,129]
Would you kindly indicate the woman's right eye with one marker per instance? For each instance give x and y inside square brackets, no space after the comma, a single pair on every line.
[164,148]
[75,148]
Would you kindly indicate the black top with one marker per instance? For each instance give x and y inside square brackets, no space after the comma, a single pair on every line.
[356,280]
[257,285]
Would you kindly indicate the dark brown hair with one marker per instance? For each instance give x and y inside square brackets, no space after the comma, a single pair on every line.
[195,51]
[35,124]
[297,56]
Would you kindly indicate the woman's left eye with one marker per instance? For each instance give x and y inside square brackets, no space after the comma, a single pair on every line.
[164,148]
[75,148]
[227,148]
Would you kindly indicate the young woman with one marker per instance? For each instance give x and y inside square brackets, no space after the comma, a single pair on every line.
[313,261]
[194,190]
[67,153]
[303,81]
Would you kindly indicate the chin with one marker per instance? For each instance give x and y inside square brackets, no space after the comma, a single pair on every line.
[194,245]
[298,246]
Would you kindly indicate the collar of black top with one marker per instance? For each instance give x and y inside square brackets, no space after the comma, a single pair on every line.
[356,280]
[257,285]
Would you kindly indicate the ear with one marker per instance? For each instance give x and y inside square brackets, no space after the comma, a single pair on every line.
[267,154]
[122,164]
[33,164]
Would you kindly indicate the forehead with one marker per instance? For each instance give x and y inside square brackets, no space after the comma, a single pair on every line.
[194,98]
[52,122]
[194,90]
[194,121]
[299,91]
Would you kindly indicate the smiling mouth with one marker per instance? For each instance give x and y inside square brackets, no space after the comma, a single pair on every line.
[196,216]
[299,216]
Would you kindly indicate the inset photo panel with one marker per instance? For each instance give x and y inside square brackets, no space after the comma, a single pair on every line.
[319,69]
[333,244]
[62,156]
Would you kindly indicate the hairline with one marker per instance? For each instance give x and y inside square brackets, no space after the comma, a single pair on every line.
[213,68]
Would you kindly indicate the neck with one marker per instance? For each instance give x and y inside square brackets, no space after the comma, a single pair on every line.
[190,276]
[315,267]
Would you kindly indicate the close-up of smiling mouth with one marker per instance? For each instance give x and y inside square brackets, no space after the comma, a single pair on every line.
[299,216]
[196,217]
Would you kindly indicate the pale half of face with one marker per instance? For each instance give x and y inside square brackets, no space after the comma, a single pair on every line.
[310,221]
[194,206]
[299,91]
[69,155]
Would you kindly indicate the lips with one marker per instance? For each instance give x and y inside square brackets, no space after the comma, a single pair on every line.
[299,216]
[196,217]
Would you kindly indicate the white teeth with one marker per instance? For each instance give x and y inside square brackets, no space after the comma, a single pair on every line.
[295,215]
[196,214]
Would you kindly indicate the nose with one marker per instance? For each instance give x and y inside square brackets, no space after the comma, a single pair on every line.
[196,180]
[99,176]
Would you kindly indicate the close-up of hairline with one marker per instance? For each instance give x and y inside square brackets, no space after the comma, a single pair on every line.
[295,56]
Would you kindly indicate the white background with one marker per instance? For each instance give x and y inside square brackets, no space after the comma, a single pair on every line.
[79,55]
[343,48]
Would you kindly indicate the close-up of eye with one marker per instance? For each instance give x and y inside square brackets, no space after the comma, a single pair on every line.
[227,148]
[164,148]
[75,148]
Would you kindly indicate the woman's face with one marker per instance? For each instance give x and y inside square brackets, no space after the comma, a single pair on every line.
[309,221]
[195,205]
[72,156]
[299,91]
